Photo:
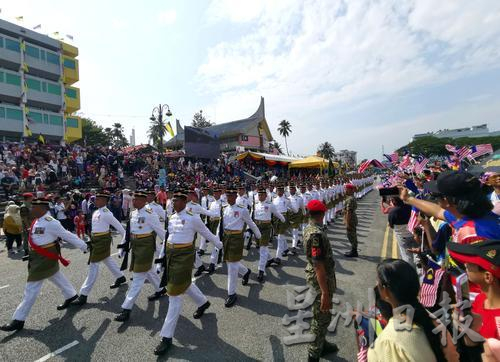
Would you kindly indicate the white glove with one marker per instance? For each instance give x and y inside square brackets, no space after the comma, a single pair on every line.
[159,268]
[219,245]
[258,236]
[84,248]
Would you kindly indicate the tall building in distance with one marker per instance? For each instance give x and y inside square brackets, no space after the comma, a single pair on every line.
[474,131]
[346,157]
[37,92]
[132,138]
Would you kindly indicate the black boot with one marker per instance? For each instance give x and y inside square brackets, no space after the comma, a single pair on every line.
[123,316]
[14,325]
[211,268]
[294,251]
[219,258]
[285,253]
[67,302]
[269,263]
[352,254]
[260,277]
[245,277]
[163,347]
[201,310]
[329,348]
[118,282]
[277,261]
[230,300]
[201,252]
[312,359]
[249,244]
[82,299]
[200,271]
[157,295]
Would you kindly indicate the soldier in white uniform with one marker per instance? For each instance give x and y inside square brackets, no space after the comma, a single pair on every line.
[234,218]
[100,250]
[295,216]
[180,250]
[143,222]
[44,257]
[214,225]
[206,200]
[306,197]
[283,205]
[264,210]
[157,208]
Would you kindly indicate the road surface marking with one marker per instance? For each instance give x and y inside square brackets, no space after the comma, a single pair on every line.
[384,244]
[4,286]
[115,253]
[56,352]
[394,246]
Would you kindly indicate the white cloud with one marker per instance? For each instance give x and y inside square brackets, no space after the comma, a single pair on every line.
[167,17]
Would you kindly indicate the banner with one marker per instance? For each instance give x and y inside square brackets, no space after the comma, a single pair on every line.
[199,142]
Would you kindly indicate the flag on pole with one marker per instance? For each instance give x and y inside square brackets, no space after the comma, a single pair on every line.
[362,168]
[169,129]
[70,37]
[39,26]
[451,148]
[420,163]
[463,152]
[19,18]
[394,157]
[430,284]
[413,222]
[480,150]
[41,139]
[27,132]
[405,162]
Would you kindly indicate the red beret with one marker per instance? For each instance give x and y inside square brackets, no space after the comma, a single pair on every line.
[316,205]
[27,195]
[349,186]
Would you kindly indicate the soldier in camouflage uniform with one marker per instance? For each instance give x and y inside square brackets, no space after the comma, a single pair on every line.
[351,220]
[320,275]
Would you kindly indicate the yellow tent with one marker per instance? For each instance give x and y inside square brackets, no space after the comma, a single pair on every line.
[312,162]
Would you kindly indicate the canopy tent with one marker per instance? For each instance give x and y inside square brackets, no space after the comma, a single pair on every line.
[312,162]
[269,159]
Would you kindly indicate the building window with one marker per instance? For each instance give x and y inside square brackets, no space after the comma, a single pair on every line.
[12,45]
[45,118]
[71,93]
[244,138]
[54,88]
[16,114]
[44,87]
[56,120]
[42,54]
[2,112]
[2,77]
[32,52]
[1,42]
[72,122]
[34,84]
[13,79]
[52,58]
[69,63]
[35,117]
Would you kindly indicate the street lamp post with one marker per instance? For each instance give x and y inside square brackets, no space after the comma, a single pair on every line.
[157,114]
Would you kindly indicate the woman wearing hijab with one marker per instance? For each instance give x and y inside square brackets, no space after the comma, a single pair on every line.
[12,227]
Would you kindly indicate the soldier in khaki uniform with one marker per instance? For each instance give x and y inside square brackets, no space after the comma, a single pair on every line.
[320,275]
[178,254]
[43,264]
[351,220]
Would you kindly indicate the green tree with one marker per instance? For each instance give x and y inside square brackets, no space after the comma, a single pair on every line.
[433,146]
[285,128]
[93,134]
[326,150]
[157,131]
[200,121]
[275,146]
[118,138]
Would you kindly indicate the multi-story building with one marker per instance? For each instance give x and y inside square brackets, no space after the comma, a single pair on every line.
[37,96]
[346,157]
[474,131]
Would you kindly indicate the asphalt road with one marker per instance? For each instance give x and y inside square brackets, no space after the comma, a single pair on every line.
[250,331]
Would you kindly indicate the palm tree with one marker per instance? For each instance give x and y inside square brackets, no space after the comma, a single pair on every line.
[117,135]
[157,131]
[285,128]
[275,146]
[326,150]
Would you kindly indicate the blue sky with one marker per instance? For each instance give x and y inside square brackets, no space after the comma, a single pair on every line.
[359,74]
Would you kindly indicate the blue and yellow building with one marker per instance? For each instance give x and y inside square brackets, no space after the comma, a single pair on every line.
[37,86]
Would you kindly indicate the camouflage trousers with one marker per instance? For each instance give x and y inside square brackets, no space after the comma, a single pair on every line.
[319,326]
[352,236]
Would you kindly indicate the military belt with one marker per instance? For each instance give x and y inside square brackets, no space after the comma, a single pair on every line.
[140,236]
[258,222]
[101,233]
[179,246]
[48,245]
[232,232]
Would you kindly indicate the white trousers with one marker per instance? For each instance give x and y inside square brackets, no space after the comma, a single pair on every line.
[295,237]
[94,273]
[263,257]
[233,269]
[175,309]
[282,246]
[197,261]
[137,283]
[32,289]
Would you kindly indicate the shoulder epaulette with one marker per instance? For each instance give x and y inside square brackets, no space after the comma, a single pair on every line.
[149,211]
[189,213]
[105,209]
[48,218]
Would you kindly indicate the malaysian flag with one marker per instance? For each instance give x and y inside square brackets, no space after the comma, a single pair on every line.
[413,222]
[364,166]
[480,150]
[405,162]
[394,157]
[451,148]
[463,152]
[420,163]
[430,284]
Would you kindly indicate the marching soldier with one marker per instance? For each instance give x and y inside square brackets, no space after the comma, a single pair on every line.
[264,210]
[206,200]
[157,208]
[213,225]
[283,205]
[351,220]
[295,217]
[43,264]
[143,222]
[179,252]
[306,197]
[320,275]
[26,219]
[234,218]
[100,247]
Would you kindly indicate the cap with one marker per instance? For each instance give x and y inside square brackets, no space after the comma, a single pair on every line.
[349,186]
[104,194]
[262,190]
[316,205]
[40,201]
[140,193]
[241,186]
[280,187]
[231,191]
[180,193]
[27,195]
[454,183]
[486,254]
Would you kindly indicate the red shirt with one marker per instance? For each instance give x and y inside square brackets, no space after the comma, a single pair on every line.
[491,318]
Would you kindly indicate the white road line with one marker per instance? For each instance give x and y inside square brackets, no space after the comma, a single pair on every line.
[115,253]
[56,352]
[4,286]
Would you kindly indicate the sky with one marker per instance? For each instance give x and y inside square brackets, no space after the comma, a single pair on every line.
[361,75]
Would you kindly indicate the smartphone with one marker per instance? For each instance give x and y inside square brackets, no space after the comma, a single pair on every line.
[463,292]
[389,191]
